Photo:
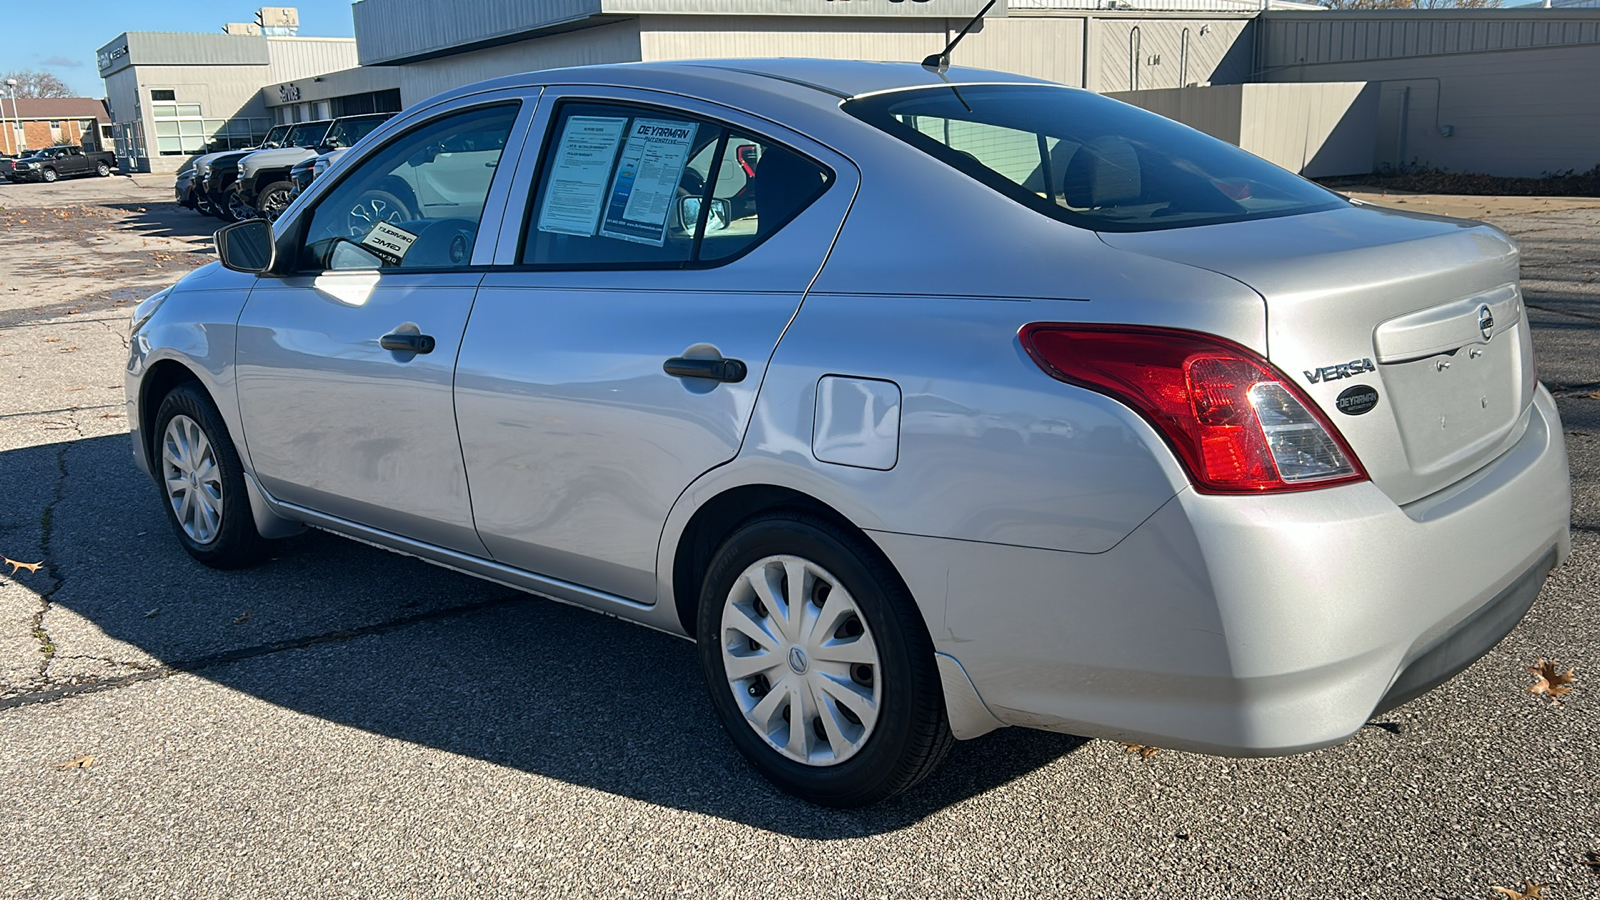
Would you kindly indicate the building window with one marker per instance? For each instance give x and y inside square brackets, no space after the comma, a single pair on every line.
[361,104]
[55,125]
[180,130]
[163,95]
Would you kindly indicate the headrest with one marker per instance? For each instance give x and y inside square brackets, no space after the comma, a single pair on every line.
[783,181]
[1104,172]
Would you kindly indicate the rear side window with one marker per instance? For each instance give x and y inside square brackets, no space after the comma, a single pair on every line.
[1089,160]
[632,187]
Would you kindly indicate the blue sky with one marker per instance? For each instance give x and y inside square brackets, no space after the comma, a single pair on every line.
[36,36]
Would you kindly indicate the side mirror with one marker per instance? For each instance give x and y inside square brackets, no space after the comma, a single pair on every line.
[247,246]
[689,214]
[424,156]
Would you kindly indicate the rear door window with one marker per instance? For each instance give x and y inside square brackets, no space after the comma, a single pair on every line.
[632,187]
[1089,160]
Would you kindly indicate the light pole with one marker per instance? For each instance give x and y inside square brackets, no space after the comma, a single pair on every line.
[16,138]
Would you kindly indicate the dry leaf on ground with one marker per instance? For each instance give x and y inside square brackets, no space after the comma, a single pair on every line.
[1143,751]
[1592,860]
[1551,679]
[82,762]
[31,567]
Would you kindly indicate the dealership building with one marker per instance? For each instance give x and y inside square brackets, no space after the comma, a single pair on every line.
[1320,92]
[175,94]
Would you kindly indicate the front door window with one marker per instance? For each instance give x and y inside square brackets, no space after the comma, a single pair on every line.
[417,202]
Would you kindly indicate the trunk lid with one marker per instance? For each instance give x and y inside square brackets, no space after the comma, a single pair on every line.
[1421,311]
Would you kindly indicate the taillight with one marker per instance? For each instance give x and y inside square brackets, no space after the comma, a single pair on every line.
[1236,423]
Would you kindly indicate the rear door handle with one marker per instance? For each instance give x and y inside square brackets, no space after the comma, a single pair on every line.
[408,343]
[732,371]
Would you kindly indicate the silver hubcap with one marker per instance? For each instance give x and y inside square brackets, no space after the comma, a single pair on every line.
[800,661]
[273,203]
[369,211]
[193,479]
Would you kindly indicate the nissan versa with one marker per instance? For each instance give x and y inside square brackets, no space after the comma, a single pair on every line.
[925,402]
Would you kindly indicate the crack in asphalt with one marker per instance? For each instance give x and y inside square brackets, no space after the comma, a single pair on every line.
[198,664]
[66,409]
[1563,312]
[47,647]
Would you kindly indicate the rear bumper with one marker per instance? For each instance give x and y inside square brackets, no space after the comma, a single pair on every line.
[1252,626]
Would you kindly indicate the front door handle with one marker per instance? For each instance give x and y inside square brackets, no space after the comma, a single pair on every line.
[402,342]
[732,371]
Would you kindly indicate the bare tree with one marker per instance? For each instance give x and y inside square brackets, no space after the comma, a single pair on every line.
[33,84]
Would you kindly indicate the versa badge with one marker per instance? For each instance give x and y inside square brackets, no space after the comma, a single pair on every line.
[1343,370]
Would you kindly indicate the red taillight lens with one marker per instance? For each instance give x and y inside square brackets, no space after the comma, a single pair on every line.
[1235,422]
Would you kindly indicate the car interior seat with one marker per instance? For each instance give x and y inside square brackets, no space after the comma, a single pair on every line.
[1104,172]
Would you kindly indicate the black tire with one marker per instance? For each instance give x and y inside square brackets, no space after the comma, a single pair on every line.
[223,207]
[102,169]
[235,542]
[274,199]
[911,734]
[48,175]
[202,204]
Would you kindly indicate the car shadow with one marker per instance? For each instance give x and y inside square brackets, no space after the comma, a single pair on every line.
[169,219]
[372,640]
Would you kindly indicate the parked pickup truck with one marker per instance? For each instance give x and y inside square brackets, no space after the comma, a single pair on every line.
[61,162]
[263,182]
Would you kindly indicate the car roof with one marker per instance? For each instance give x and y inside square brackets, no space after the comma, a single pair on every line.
[829,80]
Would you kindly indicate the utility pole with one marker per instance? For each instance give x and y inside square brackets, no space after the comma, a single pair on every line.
[18,134]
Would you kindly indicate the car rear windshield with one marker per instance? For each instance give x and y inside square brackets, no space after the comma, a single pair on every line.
[1088,160]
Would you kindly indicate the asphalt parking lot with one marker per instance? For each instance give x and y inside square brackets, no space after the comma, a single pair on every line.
[346,722]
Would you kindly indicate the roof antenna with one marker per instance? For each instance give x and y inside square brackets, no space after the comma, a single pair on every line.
[939,62]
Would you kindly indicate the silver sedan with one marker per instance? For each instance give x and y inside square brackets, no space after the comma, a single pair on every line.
[926,402]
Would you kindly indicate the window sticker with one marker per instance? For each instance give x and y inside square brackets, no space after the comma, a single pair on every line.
[576,189]
[647,179]
[389,242]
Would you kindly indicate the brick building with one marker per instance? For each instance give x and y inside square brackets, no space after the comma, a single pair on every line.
[48,122]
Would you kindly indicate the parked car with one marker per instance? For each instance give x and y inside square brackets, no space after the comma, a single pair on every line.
[6,162]
[183,188]
[52,163]
[215,173]
[310,170]
[264,184]
[995,402]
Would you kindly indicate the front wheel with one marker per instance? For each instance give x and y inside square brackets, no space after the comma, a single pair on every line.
[102,170]
[274,199]
[48,175]
[819,664]
[202,482]
[226,207]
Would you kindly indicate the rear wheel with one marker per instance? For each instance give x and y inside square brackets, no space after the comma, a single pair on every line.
[102,169]
[274,199]
[202,482]
[818,662]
